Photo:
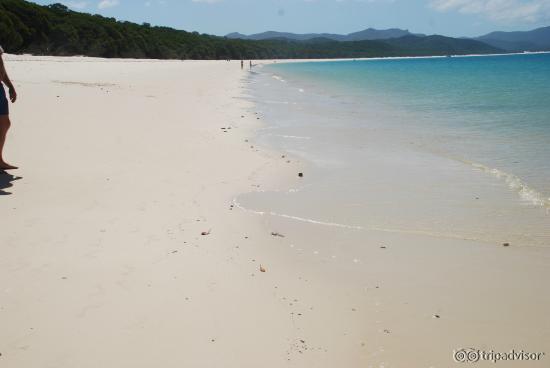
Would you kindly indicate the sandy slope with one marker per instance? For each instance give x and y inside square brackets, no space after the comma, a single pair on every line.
[124,164]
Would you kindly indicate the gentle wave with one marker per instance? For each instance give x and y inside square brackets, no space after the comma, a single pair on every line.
[276,77]
[525,191]
[292,136]
[273,102]
[515,183]
[236,204]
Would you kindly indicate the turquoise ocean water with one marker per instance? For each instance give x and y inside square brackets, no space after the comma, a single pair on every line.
[456,147]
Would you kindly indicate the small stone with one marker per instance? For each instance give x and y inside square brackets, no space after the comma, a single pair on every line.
[506,244]
[279,235]
[301,175]
[262,269]
[437,316]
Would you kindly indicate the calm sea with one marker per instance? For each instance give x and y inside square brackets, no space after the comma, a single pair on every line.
[453,147]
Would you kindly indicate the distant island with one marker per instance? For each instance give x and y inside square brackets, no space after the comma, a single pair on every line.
[535,40]
[26,27]
[366,35]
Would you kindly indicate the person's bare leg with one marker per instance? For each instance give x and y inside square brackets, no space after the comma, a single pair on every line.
[4,126]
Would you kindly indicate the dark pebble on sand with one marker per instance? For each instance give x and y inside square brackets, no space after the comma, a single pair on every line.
[506,244]
[301,175]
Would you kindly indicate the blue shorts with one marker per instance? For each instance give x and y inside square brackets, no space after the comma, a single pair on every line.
[4,108]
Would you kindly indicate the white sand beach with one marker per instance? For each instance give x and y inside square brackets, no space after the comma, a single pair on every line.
[125,164]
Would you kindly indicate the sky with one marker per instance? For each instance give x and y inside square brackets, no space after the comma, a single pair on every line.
[455,18]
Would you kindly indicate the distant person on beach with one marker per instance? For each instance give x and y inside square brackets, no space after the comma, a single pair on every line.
[242,64]
[250,64]
[4,111]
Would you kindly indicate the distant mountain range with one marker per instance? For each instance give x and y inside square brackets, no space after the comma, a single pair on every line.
[369,34]
[535,40]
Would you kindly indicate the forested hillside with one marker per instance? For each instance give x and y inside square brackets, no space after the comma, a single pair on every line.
[26,27]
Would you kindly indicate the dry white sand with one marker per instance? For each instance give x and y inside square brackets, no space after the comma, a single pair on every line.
[102,263]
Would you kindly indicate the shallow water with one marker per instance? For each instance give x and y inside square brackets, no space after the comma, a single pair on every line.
[449,147]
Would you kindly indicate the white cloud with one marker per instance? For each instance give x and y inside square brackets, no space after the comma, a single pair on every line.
[157,2]
[498,10]
[79,5]
[103,4]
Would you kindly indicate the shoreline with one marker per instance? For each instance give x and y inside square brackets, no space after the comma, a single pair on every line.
[81,58]
[397,286]
[328,104]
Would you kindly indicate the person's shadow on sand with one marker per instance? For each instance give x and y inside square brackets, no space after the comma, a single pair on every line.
[6,182]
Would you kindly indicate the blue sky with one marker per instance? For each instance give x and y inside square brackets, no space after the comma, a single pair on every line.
[447,17]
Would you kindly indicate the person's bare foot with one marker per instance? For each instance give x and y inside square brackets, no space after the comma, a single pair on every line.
[6,166]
